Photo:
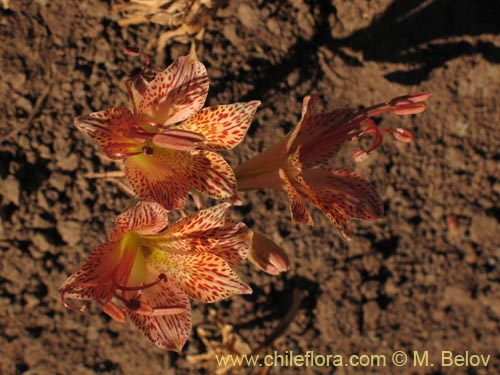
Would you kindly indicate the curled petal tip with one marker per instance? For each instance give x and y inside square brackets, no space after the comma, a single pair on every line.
[132,51]
[360,155]
[237,201]
[246,290]
[254,103]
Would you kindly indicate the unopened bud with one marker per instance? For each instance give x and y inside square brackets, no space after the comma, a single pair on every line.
[267,255]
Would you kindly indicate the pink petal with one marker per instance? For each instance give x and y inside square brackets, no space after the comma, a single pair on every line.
[159,177]
[166,175]
[233,242]
[308,104]
[202,221]
[208,231]
[94,280]
[145,218]
[223,126]
[298,209]
[166,331]
[194,233]
[211,175]
[109,130]
[343,195]
[176,93]
[321,136]
[202,276]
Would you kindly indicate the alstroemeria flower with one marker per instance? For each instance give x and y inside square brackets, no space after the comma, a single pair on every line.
[167,139]
[148,270]
[293,164]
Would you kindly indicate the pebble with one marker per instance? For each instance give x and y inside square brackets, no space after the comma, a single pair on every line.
[10,190]
[484,229]
[70,231]
[248,15]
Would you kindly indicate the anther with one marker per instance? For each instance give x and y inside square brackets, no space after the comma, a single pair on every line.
[403,135]
[147,150]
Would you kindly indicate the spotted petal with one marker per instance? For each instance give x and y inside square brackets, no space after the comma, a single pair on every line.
[165,330]
[223,126]
[145,218]
[202,276]
[202,221]
[320,135]
[233,242]
[154,179]
[208,231]
[166,176]
[176,93]
[109,130]
[93,281]
[343,195]
[210,174]
[298,209]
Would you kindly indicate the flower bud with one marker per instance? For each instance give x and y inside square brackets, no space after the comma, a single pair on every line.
[267,255]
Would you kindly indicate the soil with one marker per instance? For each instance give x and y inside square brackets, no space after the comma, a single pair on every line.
[426,276]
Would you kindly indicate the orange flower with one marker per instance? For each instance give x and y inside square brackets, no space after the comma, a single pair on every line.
[293,164]
[167,138]
[148,273]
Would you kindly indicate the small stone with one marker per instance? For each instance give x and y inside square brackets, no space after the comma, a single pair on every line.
[371,314]
[68,163]
[70,231]
[248,15]
[455,158]
[40,241]
[59,181]
[24,104]
[10,190]
[484,229]
[273,26]
[293,78]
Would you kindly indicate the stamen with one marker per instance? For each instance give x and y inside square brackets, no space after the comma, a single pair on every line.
[140,307]
[403,135]
[178,139]
[114,311]
[411,98]
[146,150]
[409,109]
[135,51]
[161,277]
[70,288]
